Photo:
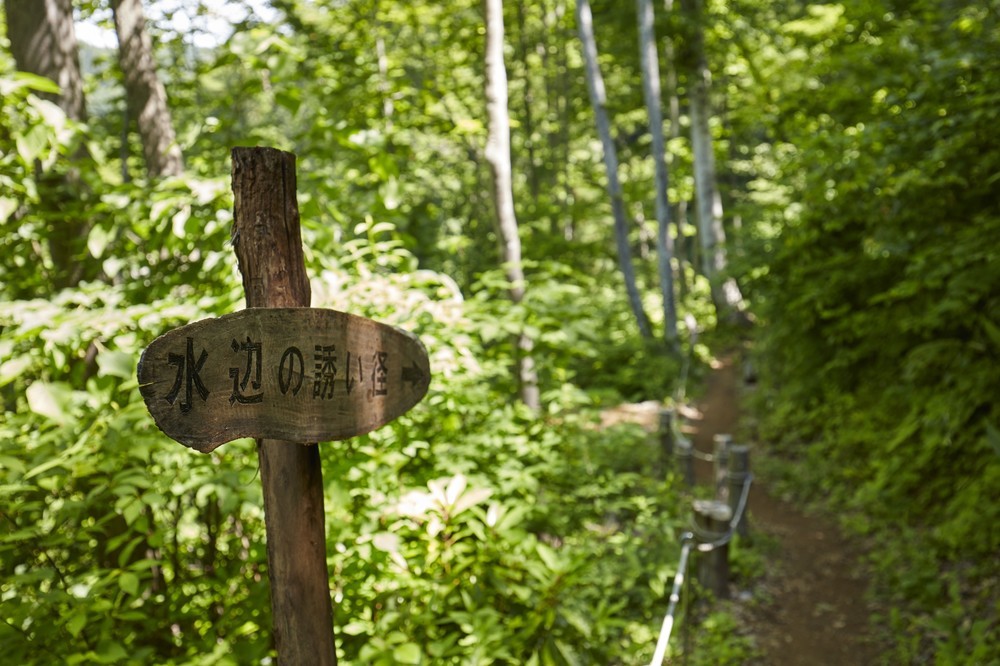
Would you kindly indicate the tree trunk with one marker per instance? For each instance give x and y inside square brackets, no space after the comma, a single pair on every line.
[388,109]
[678,209]
[528,99]
[498,157]
[144,92]
[725,294]
[598,99]
[559,141]
[664,242]
[43,42]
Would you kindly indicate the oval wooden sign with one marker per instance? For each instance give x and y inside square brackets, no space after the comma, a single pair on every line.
[297,374]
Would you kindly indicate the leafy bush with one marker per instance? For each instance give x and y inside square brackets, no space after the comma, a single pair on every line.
[881,321]
[469,531]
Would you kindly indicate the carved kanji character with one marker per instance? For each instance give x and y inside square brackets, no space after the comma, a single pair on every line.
[380,373]
[187,374]
[326,371]
[253,368]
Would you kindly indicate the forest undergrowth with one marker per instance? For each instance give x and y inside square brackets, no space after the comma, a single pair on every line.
[857,158]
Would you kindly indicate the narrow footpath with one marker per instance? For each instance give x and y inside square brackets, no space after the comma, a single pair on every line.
[809,608]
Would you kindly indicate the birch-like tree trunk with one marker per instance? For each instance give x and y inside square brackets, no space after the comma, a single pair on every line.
[598,100]
[559,141]
[388,108]
[43,42]
[144,92]
[678,208]
[649,65]
[528,99]
[725,293]
[498,157]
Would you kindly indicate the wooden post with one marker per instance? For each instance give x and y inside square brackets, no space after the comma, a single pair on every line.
[722,444]
[685,460]
[739,469]
[190,379]
[711,521]
[667,433]
[268,245]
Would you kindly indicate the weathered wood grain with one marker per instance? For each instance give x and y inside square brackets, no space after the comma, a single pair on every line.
[298,374]
[268,247]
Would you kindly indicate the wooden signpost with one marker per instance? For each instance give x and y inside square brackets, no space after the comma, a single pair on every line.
[298,374]
[289,376]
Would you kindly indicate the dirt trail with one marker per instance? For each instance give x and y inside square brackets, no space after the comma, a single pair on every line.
[809,609]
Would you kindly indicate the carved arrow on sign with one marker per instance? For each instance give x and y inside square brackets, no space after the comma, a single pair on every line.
[413,375]
[297,374]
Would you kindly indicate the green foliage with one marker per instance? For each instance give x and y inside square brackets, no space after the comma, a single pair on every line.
[460,534]
[114,545]
[717,640]
[506,562]
[876,288]
[471,531]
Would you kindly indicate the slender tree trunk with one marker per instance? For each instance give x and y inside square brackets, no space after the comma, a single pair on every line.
[43,42]
[725,293]
[678,209]
[649,64]
[144,92]
[382,62]
[559,138]
[598,99]
[529,101]
[498,157]
[388,109]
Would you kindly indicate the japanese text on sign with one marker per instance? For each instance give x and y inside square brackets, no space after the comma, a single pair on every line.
[248,387]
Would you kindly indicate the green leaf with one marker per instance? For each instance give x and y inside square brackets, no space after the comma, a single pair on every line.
[992,331]
[115,364]
[37,83]
[407,653]
[12,369]
[108,652]
[179,221]
[31,143]
[97,240]
[51,400]
[132,511]
[7,208]
[549,557]
[355,628]
[51,463]
[12,464]
[470,498]
[387,542]
[129,583]
[76,623]
[290,98]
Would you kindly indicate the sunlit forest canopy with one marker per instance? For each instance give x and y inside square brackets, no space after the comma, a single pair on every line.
[573,209]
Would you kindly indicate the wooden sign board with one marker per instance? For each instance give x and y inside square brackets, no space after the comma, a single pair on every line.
[297,374]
